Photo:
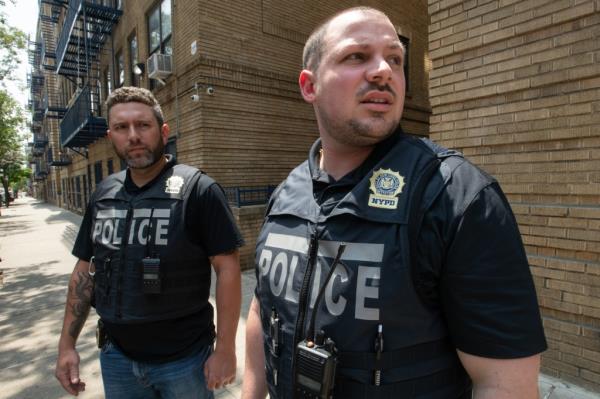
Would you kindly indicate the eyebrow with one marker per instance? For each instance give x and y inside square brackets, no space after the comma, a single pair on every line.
[392,46]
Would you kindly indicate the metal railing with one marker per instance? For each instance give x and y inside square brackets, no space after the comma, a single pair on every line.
[73,9]
[76,116]
[245,196]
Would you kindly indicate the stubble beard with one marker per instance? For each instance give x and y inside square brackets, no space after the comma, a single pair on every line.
[357,132]
[147,159]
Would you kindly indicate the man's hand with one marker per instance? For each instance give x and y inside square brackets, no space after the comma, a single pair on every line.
[67,371]
[219,369]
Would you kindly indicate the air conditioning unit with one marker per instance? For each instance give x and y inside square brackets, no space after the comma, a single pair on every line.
[160,66]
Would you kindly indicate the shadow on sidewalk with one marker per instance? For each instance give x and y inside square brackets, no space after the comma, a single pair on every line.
[14,228]
[32,305]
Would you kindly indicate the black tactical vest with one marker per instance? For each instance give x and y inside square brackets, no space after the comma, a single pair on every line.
[371,285]
[127,228]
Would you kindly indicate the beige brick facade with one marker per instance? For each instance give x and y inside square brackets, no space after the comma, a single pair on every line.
[515,86]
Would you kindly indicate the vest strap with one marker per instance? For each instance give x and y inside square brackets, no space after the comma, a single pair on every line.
[394,359]
[346,388]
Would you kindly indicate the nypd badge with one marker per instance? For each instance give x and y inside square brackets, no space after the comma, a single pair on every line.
[174,184]
[385,187]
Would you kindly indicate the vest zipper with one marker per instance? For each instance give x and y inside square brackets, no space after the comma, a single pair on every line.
[128,218]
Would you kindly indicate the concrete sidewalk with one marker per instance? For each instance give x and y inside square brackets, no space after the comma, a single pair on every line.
[35,245]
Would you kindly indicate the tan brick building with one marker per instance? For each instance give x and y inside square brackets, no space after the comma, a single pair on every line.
[515,85]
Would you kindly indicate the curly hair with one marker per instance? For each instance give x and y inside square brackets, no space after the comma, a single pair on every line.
[130,94]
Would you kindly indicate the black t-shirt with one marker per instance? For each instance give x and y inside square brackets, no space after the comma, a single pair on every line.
[470,246]
[210,223]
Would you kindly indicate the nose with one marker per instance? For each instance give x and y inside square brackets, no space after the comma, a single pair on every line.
[379,70]
[132,133]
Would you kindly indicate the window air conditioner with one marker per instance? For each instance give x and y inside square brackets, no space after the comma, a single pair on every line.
[160,66]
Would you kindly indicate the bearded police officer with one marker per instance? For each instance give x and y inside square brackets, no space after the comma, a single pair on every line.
[145,246]
[387,267]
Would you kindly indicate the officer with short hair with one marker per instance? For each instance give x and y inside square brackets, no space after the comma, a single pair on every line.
[146,245]
[387,266]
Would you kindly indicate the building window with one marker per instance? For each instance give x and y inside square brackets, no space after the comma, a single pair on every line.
[89,178]
[109,166]
[171,147]
[120,64]
[107,83]
[85,190]
[159,28]
[78,192]
[406,42]
[133,60]
[98,172]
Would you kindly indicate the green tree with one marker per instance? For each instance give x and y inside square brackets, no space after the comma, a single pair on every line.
[12,40]
[11,156]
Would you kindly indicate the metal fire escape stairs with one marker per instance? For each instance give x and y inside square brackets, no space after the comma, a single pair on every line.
[86,27]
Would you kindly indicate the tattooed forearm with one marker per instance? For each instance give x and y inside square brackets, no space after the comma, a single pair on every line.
[80,297]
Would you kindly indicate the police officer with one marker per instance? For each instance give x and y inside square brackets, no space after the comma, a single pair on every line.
[387,267]
[145,246]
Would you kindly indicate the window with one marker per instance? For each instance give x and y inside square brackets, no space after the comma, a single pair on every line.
[78,192]
[120,64]
[64,190]
[406,42]
[85,190]
[159,28]
[110,167]
[98,172]
[107,83]
[133,59]
[171,147]
[159,31]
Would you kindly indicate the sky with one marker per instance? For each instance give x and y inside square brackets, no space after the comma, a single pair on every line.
[23,15]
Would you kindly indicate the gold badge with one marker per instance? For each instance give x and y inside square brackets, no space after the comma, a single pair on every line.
[174,184]
[385,187]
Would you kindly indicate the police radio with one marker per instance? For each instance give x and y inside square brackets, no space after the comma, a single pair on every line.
[315,358]
[151,276]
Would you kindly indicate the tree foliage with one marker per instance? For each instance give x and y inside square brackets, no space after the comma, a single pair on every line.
[11,156]
[12,40]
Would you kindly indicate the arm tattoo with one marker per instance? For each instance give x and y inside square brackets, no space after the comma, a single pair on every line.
[80,293]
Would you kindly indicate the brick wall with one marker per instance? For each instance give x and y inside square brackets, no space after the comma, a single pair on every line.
[515,85]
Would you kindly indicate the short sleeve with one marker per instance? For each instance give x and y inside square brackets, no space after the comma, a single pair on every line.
[209,220]
[487,292]
[83,247]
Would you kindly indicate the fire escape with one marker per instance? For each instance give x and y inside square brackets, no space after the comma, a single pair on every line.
[86,27]
[35,81]
[52,104]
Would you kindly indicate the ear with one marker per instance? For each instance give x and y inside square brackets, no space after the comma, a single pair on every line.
[164,132]
[108,135]
[306,80]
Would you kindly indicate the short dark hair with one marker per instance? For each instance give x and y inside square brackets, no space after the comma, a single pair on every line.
[313,49]
[132,94]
